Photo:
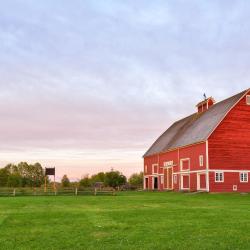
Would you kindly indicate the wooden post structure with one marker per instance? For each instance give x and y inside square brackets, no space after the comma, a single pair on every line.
[54,183]
[45,183]
[49,171]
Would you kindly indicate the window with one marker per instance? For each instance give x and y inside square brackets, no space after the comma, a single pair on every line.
[162,179]
[185,164]
[155,168]
[243,177]
[146,169]
[201,160]
[219,177]
[248,99]
[175,179]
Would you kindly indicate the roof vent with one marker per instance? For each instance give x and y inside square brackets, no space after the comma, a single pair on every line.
[205,104]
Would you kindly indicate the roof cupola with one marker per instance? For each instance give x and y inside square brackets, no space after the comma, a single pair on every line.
[205,104]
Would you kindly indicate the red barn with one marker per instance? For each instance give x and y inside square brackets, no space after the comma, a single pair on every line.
[207,151]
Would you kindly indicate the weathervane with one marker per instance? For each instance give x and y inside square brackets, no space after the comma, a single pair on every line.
[205,96]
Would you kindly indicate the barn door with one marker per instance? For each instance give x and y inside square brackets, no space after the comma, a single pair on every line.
[170,178]
[201,181]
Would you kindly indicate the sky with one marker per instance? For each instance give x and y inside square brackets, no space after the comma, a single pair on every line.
[87,86]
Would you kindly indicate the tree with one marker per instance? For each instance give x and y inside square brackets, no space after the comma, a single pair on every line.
[22,175]
[136,180]
[114,179]
[4,175]
[15,180]
[100,177]
[85,181]
[65,181]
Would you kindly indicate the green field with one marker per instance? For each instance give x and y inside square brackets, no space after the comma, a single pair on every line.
[133,220]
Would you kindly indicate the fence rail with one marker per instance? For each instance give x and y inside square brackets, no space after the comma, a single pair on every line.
[51,192]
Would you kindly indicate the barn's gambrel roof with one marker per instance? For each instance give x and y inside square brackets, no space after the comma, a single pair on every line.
[194,128]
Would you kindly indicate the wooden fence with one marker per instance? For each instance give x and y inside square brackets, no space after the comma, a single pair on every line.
[57,192]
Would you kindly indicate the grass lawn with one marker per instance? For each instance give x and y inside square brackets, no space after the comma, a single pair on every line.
[133,220]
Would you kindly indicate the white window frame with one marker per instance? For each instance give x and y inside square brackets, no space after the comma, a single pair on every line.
[153,168]
[220,174]
[201,160]
[175,178]
[162,179]
[248,99]
[243,174]
[181,164]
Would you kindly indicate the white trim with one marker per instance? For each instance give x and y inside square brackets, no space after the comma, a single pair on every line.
[162,180]
[198,181]
[181,163]
[155,175]
[181,177]
[175,180]
[247,99]
[168,164]
[189,172]
[144,184]
[207,167]
[153,168]
[201,160]
[204,171]
[219,173]
[229,170]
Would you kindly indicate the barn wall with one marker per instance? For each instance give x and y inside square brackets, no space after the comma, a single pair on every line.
[149,161]
[230,179]
[229,145]
[193,152]
[170,156]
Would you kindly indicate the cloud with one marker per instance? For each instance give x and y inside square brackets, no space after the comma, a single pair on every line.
[106,78]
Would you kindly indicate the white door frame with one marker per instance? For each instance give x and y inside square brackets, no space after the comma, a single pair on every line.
[198,181]
[181,180]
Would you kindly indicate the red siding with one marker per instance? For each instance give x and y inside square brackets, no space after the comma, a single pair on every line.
[193,182]
[202,181]
[185,179]
[230,179]
[185,164]
[176,185]
[193,152]
[149,161]
[229,145]
[170,156]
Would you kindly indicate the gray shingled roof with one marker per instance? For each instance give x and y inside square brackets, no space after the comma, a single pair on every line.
[194,128]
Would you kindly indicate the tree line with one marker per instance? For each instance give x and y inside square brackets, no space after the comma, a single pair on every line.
[22,175]
[114,179]
[32,175]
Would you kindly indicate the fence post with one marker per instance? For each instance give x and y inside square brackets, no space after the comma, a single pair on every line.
[14,192]
[95,191]
[76,191]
